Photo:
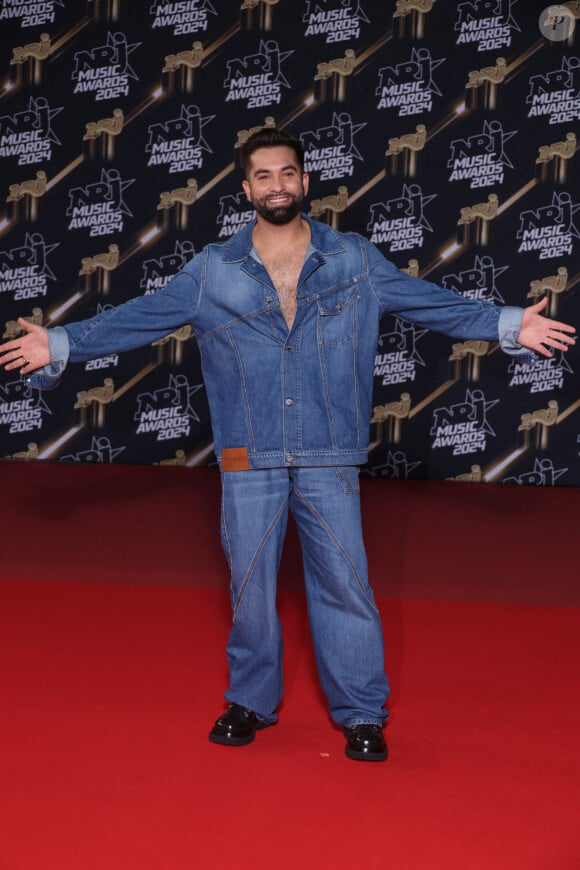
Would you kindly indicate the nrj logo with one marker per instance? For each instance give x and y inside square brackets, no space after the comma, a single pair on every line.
[544,473]
[397,466]
[550,229]
[28,135]
[99,207]
[409,86]
[331,150]
[397,356]
[478,282]
[30,14]
[400,223]
[463,427]
[481,158]
[234,213]
[157,273]
[167,412]
[21,407]
[556,95]
[101,450]
[541,375]
[24,271]
[338,20]
[179,143]
[105,70]
[190,16]
[489,23]
[257,78]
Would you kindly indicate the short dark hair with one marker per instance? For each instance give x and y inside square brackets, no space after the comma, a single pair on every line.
[269,137]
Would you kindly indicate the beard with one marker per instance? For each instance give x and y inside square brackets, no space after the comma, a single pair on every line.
[280,214]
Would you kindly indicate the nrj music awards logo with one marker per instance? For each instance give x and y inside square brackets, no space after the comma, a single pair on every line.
[101,450]
[159,272]
[397,466]
[409,86]
[551,229]
[400,223]
[99,207]
[167,412]
[481,158]
[257,79]
[397,356]
[556,95]
[234,213]
[21,407]
[28,135]
[190,16]
[31,14]
[179,143]
[24,270]
[489,23]
[541,375]
[337,20]
[105,70]
[331,150]
[464,427]
[544,473]
[478,282]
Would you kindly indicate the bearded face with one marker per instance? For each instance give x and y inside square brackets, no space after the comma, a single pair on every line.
[276,185]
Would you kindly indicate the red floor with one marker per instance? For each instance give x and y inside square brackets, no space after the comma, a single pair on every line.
[114,620]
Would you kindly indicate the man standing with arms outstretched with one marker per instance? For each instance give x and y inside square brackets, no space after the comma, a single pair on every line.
[286,315]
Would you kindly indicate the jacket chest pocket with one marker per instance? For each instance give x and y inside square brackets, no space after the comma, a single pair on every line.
[337,315]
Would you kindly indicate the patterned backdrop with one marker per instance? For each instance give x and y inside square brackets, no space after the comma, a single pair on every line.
[445,132]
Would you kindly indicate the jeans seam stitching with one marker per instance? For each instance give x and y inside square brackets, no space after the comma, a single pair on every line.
[337,543]
[256,556]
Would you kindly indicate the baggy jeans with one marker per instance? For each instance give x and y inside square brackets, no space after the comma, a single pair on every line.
[344,621]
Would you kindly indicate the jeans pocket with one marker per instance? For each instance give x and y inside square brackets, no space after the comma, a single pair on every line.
[348,477]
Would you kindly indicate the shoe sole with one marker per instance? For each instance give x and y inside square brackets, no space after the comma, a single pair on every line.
[224,740]
[366,756]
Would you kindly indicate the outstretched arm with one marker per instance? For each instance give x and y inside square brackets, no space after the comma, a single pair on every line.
[28,352]
[541,333]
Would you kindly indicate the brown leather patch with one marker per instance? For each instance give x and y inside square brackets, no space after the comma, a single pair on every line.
[235,459]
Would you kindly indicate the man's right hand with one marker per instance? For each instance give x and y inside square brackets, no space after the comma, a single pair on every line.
[28,352]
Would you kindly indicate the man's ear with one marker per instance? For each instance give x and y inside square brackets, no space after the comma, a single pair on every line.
[305,182]
[246,189]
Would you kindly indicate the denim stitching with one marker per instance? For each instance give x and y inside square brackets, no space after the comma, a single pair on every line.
[337,544]
[256,556]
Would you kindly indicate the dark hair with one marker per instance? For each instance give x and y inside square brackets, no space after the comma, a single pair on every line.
[269,137]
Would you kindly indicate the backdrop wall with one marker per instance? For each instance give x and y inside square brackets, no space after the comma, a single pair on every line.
[443,131]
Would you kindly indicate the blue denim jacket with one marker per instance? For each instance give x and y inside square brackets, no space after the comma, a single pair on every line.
[298,397]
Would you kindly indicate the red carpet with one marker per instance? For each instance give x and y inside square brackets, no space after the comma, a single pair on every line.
[109,688]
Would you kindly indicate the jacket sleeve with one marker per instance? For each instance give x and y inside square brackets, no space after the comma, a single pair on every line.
[445,311]
[135,323]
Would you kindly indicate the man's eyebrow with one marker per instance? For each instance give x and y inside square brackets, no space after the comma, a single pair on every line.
[282,168]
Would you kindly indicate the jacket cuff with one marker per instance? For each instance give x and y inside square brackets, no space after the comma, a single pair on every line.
[50,375]
[509,325]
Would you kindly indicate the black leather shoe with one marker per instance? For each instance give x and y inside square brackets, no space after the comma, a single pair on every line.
[236,727]
[366,743]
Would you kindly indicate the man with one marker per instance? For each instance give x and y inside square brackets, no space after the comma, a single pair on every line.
[286,315]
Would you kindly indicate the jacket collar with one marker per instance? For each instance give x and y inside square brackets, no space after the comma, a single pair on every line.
[324,239]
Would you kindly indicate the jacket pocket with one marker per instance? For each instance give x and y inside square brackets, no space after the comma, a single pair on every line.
[337,315]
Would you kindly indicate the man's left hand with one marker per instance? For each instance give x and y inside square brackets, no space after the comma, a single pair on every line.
[540,333]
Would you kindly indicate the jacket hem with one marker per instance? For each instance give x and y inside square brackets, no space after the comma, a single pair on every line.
[306,458]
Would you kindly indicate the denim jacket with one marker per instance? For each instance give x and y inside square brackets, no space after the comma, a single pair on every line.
[284,397]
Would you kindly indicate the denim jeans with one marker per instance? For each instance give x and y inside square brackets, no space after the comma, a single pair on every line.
[344,620]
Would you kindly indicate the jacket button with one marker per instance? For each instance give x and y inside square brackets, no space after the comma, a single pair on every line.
[290,401]
[290,459]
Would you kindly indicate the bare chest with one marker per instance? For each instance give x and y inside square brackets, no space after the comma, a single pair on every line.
[284,270]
